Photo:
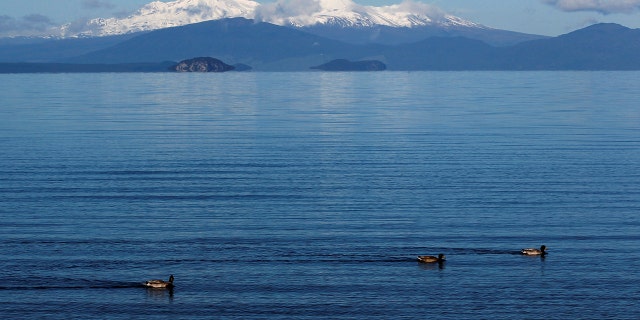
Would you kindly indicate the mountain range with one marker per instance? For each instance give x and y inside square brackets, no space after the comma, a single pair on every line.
[298,14]
[277,37]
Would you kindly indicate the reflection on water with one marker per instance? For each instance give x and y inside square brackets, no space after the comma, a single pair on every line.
[432,266]
[157,294]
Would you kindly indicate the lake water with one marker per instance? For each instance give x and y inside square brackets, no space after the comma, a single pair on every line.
[309,195]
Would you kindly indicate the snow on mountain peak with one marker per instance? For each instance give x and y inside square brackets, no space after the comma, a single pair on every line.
[298,13]
[159,15]
[411,13]
[350,14]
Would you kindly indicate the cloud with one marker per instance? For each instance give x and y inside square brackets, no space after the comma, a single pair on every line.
[601,6]
[33,24]
[41,25]
[281,10]
[97,4]
[417,8]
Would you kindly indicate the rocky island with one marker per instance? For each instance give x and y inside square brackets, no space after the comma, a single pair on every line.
[202,64]
[346,65]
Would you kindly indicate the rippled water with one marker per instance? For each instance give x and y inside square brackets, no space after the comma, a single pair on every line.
[309,195]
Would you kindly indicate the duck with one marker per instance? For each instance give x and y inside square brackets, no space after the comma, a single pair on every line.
[432,259]
[160,284]
[534,252]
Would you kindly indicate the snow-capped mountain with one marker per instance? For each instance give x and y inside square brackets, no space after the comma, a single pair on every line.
[347,13]
[160,15]
[299,13]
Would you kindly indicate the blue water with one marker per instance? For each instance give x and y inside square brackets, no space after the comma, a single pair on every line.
[309,195]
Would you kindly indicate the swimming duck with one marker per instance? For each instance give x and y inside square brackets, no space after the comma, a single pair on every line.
[160,284]
[534,252]
[431,259]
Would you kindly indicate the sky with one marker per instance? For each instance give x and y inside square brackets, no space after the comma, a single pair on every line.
[545,17]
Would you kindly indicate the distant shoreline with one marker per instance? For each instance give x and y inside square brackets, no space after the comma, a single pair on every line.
[15,68]
[53,68]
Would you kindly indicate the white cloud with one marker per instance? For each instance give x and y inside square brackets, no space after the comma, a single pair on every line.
[601,6]
[417,8]
[281,10]
[414,6]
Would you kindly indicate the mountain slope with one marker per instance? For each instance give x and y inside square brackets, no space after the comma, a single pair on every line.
[266,46]
[442,53]
[604,46]
[598,47]
[53,50]
[400,35]
[262,45]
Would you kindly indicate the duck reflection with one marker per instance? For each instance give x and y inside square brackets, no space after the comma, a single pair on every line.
[160,294]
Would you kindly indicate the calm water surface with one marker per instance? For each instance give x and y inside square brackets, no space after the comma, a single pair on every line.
[309,195]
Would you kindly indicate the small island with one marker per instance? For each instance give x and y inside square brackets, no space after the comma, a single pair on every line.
[346,65]
[202,64]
